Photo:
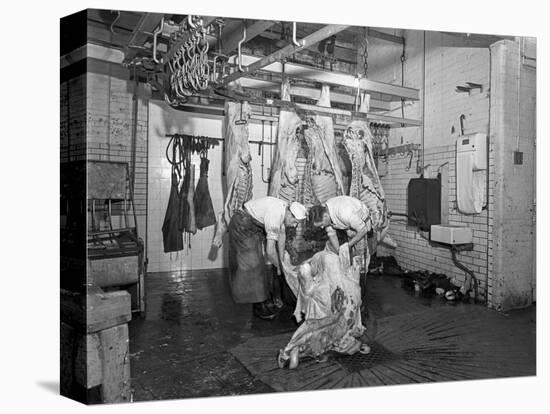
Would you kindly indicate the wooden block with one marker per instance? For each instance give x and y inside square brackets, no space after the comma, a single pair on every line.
[115,364]
[104,310]
[116,271]
[88,370]
[95,311]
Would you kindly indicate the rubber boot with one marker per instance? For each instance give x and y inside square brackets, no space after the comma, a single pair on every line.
[276,290]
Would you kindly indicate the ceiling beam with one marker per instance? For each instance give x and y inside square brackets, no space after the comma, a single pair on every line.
[340,117]
[342,51]
[449,39]
[385,36]
[230,43]
[294,70]
[286,51]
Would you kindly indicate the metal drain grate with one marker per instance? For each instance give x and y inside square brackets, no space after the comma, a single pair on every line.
[359,362]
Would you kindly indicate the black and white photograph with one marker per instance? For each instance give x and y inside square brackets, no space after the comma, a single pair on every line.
[273,206]
[256,205]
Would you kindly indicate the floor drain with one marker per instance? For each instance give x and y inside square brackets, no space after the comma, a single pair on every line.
[359,362]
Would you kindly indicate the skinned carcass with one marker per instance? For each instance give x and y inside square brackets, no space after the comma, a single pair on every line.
[305,168]
[238,172]
[329,301]
[326,174]
[284,173]
[365,182]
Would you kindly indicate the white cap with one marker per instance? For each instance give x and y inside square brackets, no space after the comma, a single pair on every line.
[298,210]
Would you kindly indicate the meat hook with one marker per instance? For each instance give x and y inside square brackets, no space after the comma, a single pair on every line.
[241,121]
[155,35]
[241,69]
[114,21]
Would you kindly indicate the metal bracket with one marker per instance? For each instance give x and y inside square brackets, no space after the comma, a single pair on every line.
[239,51]
[155,35]
[297,43]
[469,88]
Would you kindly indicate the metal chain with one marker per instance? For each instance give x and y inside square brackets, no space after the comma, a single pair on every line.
[366,57]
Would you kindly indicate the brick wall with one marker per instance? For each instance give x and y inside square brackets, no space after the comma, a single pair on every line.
[445,68]
[497,252]
[109,130]
[73,119]
[413,251]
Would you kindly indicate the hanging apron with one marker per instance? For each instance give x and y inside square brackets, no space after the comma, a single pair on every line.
[171,227]
[247,272]
[204,210]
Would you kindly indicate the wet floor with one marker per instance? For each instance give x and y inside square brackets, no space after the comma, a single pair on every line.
[193,341]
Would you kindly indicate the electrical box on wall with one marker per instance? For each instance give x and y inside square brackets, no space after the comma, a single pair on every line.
[424,202]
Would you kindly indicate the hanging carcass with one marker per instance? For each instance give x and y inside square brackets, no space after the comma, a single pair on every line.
[237,168]
[365,182]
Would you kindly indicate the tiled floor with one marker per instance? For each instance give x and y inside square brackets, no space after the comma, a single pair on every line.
[193,341]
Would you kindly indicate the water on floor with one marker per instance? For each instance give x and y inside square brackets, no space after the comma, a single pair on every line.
[194,341]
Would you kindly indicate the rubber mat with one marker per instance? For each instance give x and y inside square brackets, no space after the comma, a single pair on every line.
[444,344]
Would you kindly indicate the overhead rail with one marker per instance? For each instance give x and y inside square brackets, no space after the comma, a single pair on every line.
[298,71]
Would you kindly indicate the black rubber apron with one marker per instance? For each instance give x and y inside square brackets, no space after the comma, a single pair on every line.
[247,271]
[172,233]
[204,210]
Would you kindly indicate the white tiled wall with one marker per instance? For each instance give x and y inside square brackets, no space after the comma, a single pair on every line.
[165,120]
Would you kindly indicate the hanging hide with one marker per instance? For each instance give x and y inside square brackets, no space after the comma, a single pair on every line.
[284,172]
[238,172]
[204,210]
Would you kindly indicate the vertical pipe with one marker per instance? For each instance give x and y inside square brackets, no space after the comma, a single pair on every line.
[487,182]
[145,257]
[134,133]
[422,131]
[518,95]
[110,216]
